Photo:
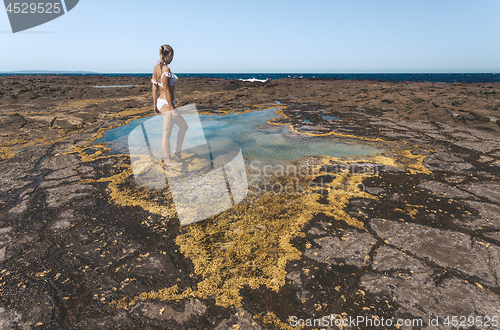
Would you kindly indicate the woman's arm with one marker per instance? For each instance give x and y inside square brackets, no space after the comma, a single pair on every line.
[168,96]
[155,96]
[172,91]
[155,88]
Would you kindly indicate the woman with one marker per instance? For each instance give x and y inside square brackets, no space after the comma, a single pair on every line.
[164,81]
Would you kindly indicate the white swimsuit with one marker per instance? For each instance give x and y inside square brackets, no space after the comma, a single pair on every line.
[173,79]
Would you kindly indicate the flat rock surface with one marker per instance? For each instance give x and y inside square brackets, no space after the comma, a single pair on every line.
[83,247]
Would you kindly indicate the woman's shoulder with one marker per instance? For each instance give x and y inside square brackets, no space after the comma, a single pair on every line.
[156,69]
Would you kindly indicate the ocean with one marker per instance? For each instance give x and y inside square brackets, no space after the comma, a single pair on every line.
[396,77]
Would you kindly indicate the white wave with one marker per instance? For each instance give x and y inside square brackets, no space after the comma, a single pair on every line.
[254,80]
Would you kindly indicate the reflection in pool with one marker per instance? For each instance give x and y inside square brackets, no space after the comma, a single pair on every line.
[216,151]
[256,138]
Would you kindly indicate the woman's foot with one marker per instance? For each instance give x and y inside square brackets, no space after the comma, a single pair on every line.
[177,154]
[171,163]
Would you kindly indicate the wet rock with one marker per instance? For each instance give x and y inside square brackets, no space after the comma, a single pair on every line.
[486,175]
[63,221]
[294,277]
[418,292]
[14,121]
[163,312]
[241,320]
[53,183]
[316,231]
[441,161]
[493,235]
[86,170]
[4,231]
[375,190]
[455,178]
[389,123]
[389,259]
[484,135]
[447,248]
[21,207]
[35,312]
[480,117]
[472,117]
[464,135]
[117,319]
[398,135]
[490,191]
[17,171]
[61,224]
[23,202]
[62,173]
[5,238]
[350,249]
[439,137]
[394,197]
[68,123]
[11,320]
[40,120]
[489,215]
[483,146]
[59,196]
[417,125]
[444,190]
[87,117]
[59,162]
[485,159]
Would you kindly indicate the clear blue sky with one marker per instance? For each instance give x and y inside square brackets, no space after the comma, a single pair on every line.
[330,36]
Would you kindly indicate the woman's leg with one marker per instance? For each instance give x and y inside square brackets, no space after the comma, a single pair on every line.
[168,124]
[183,126]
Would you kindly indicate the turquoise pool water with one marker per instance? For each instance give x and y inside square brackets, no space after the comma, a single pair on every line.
[327,117]
[257,139]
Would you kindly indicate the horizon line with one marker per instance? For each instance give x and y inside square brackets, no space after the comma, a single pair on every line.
[319,73]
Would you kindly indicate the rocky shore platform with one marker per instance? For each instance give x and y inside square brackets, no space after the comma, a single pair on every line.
[83,247]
